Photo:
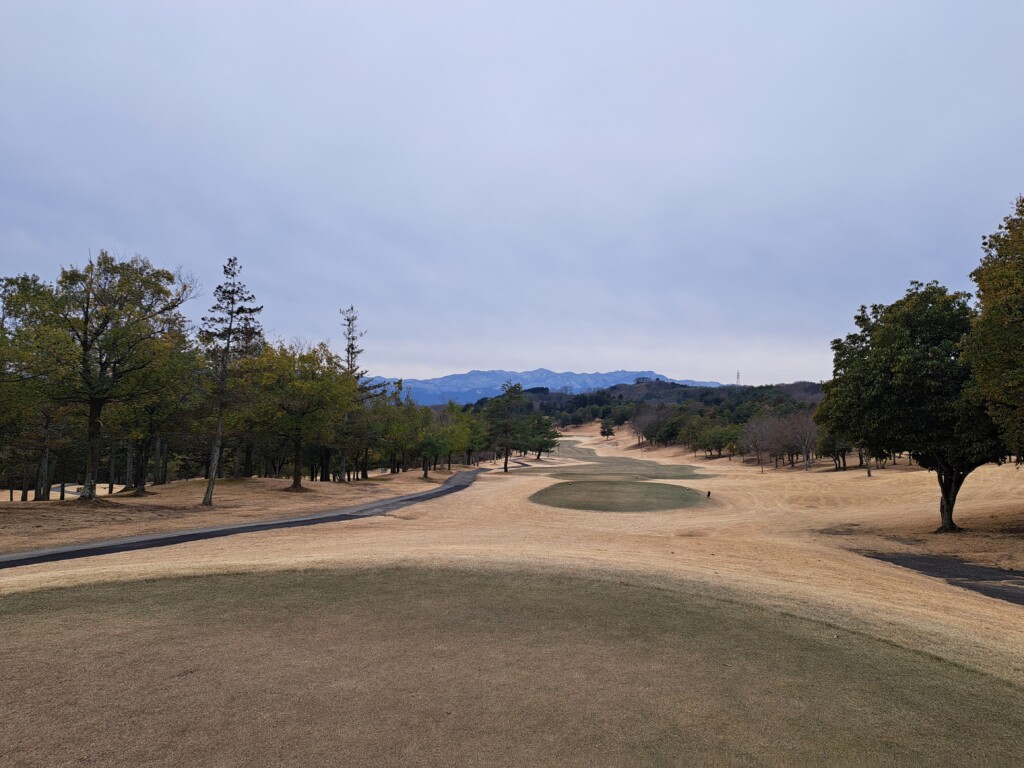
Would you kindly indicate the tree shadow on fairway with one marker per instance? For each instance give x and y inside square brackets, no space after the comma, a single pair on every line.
[1000,583]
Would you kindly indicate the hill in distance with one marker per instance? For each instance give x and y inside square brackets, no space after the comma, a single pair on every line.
[470,387]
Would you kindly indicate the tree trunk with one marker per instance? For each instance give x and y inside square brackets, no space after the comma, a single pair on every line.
[507,452]
[164,462]
[112,468]
[365,471]
[24,481]
[247,461]
[42,491]
[950,482]
[53,472]
[426,467]
[142,470]
[159,450]
[92,456]
[325,465]
[214,457]
[297,464]
[129,466]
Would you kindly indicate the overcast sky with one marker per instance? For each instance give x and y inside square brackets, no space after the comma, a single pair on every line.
[694,188]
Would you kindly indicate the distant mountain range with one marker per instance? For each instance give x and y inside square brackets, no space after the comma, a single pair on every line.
[470,387]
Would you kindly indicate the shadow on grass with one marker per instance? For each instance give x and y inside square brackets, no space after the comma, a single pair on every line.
[1000,583]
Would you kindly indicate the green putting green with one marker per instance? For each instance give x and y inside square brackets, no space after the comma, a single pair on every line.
[616,496]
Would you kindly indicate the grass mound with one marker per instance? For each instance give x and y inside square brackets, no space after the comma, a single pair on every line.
[616,496]
[450,667]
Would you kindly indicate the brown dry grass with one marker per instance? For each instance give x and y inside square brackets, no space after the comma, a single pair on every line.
[177,506]
[787,541]
[440,667]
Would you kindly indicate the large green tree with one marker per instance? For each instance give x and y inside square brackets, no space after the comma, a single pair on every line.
[304,396]
[93,333]
[166,400]
[29,412]
[901,383]
[995,346]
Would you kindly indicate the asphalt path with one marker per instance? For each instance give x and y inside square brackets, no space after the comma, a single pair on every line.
[457,482]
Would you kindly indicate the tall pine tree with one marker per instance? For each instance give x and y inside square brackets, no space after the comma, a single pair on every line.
[230,332]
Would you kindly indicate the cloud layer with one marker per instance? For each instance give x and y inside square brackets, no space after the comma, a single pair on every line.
[694,188]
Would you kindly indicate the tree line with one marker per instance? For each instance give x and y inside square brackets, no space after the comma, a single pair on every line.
[102,380]
[773,423]
[725,404]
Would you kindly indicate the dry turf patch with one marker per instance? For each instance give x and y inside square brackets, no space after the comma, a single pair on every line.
[443,666]
[177,506]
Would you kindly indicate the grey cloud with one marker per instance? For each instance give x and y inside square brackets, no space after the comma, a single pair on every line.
[559,185]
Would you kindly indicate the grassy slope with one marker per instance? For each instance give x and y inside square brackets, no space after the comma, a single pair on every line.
[429,667]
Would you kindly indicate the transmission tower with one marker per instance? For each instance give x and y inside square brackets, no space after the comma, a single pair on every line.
[737,378]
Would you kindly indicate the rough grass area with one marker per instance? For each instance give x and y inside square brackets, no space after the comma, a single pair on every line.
[442,667]
[616,496]
[176,507]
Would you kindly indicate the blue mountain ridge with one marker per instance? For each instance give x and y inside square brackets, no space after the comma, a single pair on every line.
[470,387]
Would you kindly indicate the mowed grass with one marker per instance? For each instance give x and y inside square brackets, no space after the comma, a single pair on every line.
[616,496]
[611,467]
[440,667]
[614,483]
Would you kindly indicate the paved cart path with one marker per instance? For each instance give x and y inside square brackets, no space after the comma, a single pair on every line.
[457,482]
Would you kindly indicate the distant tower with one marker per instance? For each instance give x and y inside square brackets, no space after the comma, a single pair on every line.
[737,378]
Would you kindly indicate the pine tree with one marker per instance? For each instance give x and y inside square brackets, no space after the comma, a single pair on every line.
[231,332]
